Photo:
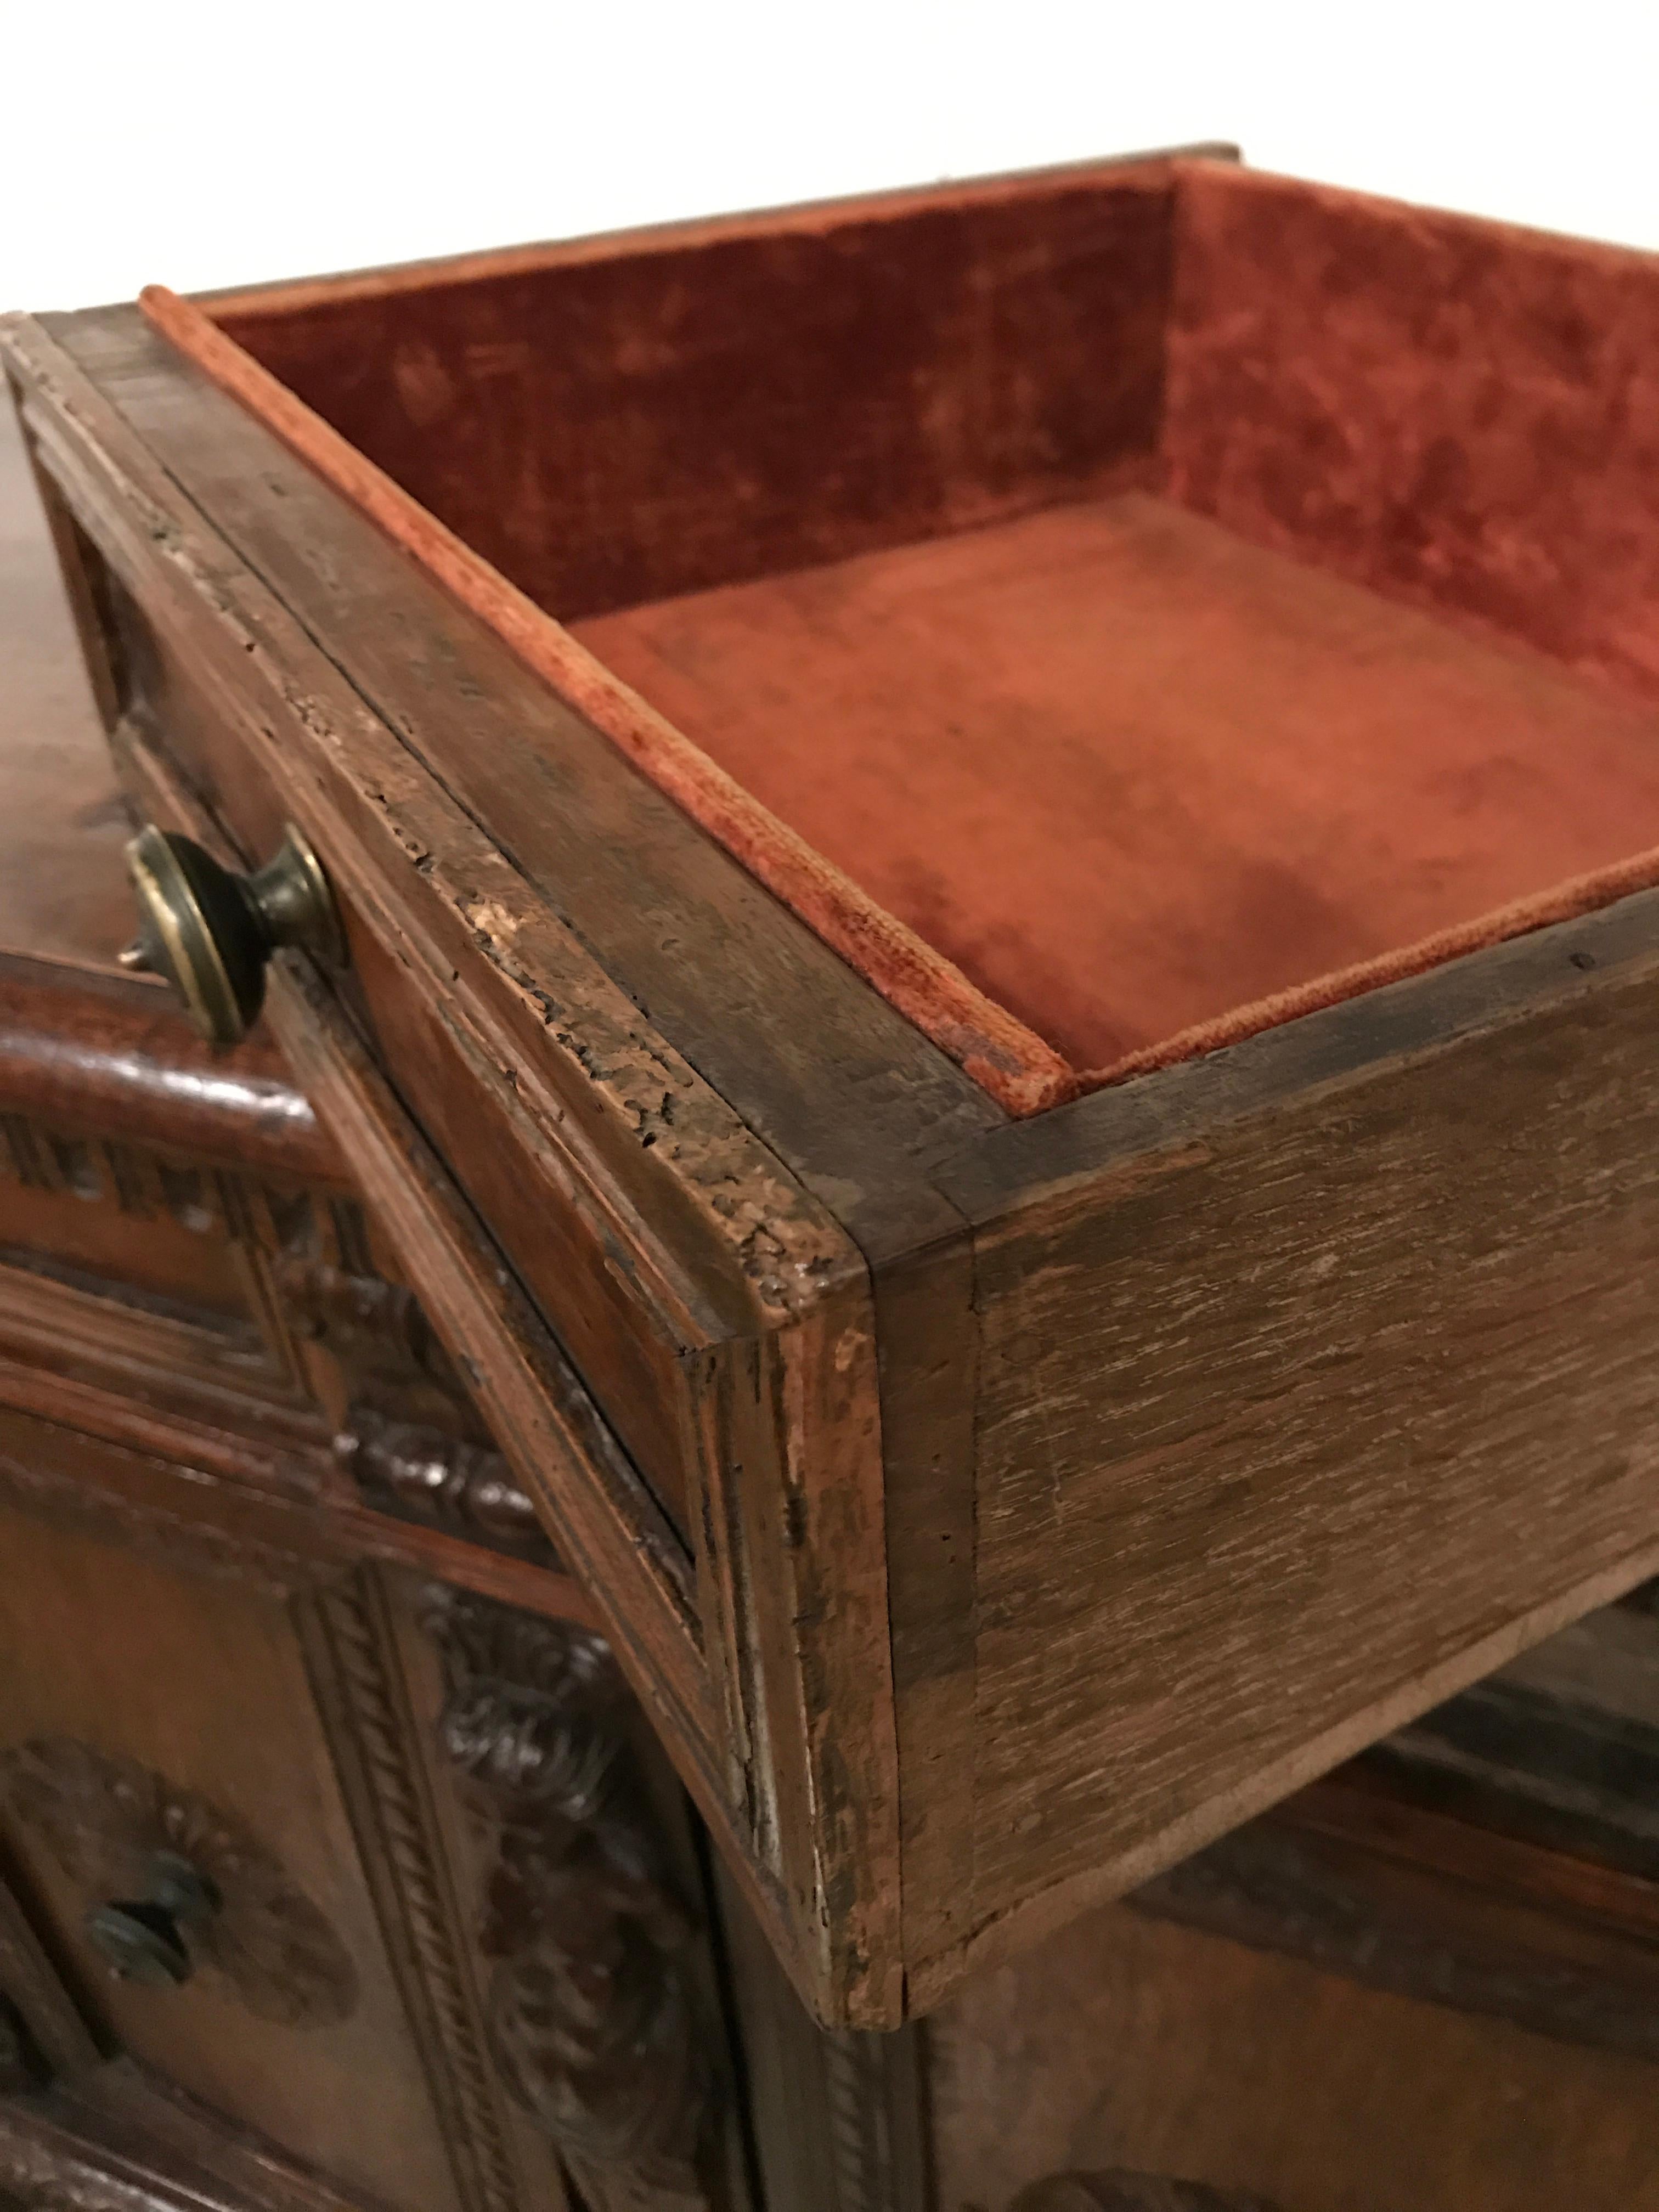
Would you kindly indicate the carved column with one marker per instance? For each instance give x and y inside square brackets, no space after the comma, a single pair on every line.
[592,2015]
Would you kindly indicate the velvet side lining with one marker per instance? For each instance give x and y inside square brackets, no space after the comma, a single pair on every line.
[613,429]
[1018,1068]
[1456,412]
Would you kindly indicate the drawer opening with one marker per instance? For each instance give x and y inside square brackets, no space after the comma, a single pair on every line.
[1120,609]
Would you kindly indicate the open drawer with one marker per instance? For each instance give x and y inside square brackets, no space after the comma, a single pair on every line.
[1003,838]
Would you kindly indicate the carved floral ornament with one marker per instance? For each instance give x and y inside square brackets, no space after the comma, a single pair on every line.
[109,1823]
[592,2015]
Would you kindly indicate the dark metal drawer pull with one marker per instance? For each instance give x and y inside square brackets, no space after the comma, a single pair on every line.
[142,1938]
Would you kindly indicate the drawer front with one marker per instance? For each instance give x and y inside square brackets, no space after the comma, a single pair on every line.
[649,1224]
[702,1429]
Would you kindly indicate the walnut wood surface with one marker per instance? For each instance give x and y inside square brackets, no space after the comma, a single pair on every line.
[1125,2042]
[63,889]
[150,1687]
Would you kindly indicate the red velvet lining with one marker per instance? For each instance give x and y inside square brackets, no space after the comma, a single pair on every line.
[1062,767]
[1154,790]
[1459,413]
[700,406]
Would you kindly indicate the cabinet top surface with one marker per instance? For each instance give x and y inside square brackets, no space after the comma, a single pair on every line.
[62,891]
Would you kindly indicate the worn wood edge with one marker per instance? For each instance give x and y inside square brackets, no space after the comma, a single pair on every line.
[1047,1911]
[295,294]
[430,1226]
[1019,1069]
[646,1599]
[608,1529]
[819,1542]
[644,1595]
[111,1054]
[605,1068]
[844,1275]
[928,1331]
[792,1525]
[617,1545]
[682,1257]
[577,1141]
[859,1102]
[1010,1173]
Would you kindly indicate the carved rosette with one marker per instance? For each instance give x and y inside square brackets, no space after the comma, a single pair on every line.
[104,1820]
[591,2011]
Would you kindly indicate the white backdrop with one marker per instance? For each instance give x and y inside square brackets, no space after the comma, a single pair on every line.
[206,144]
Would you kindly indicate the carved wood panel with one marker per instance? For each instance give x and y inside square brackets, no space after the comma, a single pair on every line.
[111,1210]
[169,1281]
[106,1820]
[594,2015]
[355,1668]
[151,1711]
[406,1429]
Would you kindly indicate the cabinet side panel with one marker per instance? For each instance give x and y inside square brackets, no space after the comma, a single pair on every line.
[1124,2044]
[1299,1421]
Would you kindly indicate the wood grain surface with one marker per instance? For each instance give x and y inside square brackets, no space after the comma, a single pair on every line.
[63,888]
[1127,2042]
[1292,1421]
[1278,1396]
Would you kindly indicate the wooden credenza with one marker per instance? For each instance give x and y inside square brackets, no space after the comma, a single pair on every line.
[342,1861]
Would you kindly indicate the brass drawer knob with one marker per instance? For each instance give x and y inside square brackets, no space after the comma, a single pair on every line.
[142,1939]
[210,932]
